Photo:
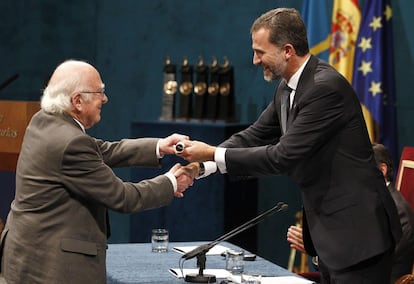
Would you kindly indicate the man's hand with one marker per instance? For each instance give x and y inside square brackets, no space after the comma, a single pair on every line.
[197,151]
[166,145]
[184,179]
[192,170]
[295,238]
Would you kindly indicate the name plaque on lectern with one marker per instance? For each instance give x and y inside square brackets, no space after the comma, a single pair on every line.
[14,118]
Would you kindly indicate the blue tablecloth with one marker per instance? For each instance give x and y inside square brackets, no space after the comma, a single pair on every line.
[135,263]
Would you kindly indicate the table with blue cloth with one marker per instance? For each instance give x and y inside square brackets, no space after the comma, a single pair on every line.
[136,263]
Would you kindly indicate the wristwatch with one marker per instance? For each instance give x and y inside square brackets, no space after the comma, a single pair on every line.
[202,169]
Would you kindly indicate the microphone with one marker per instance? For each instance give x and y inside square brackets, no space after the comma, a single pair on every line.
[201,251]
[206,247]
[6,82]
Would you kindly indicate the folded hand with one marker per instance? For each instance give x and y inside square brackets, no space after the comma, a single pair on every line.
[295,238]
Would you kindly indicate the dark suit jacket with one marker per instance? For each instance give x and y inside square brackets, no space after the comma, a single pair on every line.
[349,213]
[404,250]
[56,229]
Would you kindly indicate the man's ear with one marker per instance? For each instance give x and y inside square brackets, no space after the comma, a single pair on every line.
[76,101]
[289,50]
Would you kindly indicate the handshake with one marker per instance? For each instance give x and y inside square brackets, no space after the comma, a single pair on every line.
[194,152]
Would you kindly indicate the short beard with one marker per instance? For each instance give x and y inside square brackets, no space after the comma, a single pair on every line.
[269,77]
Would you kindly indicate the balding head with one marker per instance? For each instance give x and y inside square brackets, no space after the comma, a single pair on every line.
[77,70]
[69,77]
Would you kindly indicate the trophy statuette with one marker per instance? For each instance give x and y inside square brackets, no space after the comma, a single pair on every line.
[186,90]
[200,89]
[169,91]
[226,91]
[213,90]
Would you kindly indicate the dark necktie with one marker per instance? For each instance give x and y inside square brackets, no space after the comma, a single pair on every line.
[285,105]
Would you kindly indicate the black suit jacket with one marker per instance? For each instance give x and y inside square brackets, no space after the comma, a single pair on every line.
[349,213]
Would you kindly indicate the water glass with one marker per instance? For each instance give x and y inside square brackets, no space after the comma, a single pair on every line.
[234,261]
[159,240]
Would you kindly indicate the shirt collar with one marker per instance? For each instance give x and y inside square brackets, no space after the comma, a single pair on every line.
[80,124]
[294,80]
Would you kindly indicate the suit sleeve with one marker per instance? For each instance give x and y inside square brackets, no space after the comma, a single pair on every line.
[129,152]
[84,173]
[319,115]
[265,131]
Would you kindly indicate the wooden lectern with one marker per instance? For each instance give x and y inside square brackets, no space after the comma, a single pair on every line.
[14,118]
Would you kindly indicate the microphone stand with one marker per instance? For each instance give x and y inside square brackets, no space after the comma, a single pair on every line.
[200,252]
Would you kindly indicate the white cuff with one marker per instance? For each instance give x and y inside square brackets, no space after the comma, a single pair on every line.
[220,158]
[210,167]
[173,180]
[157,150]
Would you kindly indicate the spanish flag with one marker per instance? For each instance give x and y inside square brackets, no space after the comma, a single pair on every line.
[346,18]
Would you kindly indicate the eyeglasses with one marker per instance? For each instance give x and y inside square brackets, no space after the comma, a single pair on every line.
[102,93]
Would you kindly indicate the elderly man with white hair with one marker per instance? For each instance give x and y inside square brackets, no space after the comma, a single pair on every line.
[56,230]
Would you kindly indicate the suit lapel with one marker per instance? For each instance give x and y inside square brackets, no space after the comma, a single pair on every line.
[303,84]
[305,79]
